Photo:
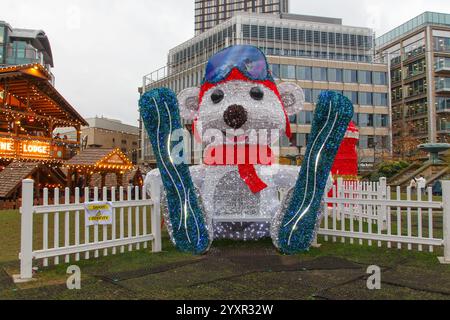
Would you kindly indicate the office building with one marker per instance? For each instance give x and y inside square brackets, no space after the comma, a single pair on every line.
[24,46]
[418,53]
[107,133]
[209,13]
[318,53]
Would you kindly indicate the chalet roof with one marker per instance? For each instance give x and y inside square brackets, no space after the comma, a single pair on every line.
[32,83]
[111,179]
[11,177]
[94,157]
[89,157]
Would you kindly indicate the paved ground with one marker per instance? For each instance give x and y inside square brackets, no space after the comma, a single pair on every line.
[242,271]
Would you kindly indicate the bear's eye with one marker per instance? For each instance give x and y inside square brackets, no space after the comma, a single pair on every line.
[256,93]
[217,96]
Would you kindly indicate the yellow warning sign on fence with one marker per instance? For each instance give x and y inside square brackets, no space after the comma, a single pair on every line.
[98,213]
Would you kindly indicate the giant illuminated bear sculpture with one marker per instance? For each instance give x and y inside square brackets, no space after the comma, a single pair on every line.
[238,180]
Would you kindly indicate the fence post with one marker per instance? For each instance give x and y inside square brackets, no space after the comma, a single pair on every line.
[340,215]
[155,191]
[382,195]
[26,233]
[446,212]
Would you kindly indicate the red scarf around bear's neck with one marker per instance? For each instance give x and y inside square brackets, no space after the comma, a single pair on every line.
[246,167]
[245,157]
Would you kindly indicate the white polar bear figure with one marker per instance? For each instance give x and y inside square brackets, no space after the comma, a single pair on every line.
[244,215]
[238,114]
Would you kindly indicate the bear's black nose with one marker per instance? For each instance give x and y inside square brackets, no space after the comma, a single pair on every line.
[235,116]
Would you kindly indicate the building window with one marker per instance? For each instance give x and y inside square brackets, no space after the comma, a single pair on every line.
[396,75]
[305,118]
[442,84]
[363,143]
[293,119]
[380,99]
[352,96]
[335,75]
[397,94]
[365,98]
[287,72]
[302,139]
[379,78]
[319,74]
[365,120]
[381,121]
[442,44]
[365,77]
[316,93]
[308,95]
[275,68]
[417,87]
[350,76]
[415,49]
[442,64]
[304,73]
[417,108]
[367,142]
[442,103]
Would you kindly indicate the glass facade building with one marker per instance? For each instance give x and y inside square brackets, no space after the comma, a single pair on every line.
[418,53]
[317,53]
[24,46]
[209,13]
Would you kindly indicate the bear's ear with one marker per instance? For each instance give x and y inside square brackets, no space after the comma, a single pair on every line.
[292,96]
[188,101]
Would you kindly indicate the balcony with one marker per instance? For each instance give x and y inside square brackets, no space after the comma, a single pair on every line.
[443,85]
[414,54]
[442,104]
[414,76]
[415,94]
[396,61]
[442,65]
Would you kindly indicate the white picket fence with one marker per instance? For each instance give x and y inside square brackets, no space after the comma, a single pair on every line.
[136,222]
[371,212]
[357,213]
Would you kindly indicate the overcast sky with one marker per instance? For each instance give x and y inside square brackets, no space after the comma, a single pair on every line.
[102,48]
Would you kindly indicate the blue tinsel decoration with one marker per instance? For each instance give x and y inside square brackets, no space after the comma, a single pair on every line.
[331,119]
[189,231]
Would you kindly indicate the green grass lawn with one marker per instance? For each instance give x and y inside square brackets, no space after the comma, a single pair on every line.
[222,274]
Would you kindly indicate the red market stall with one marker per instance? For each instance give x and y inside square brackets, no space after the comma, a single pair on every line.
[346,164]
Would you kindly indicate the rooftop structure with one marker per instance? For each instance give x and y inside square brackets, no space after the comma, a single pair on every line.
[209,13]
[426,18]
[24,46]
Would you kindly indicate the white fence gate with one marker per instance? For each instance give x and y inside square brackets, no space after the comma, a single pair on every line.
[136,222]
[372,212]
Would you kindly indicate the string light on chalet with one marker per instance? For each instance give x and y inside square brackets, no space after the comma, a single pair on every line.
[104,165]
[31,109]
